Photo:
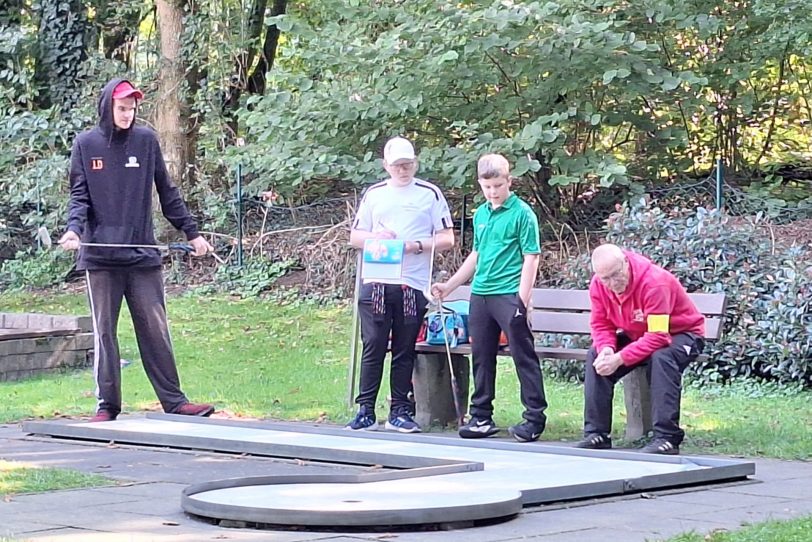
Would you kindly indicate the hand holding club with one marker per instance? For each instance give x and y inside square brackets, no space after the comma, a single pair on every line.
[69,241]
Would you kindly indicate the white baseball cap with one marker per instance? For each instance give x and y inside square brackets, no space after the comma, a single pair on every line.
[396,149]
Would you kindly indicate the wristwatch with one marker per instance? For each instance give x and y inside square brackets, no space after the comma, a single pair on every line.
[419,247]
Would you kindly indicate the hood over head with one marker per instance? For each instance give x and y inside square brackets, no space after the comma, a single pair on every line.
[105,106]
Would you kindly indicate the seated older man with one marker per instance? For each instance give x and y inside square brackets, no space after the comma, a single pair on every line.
[641,317]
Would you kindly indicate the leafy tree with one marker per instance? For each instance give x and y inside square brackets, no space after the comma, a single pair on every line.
[555,86]
[63,37]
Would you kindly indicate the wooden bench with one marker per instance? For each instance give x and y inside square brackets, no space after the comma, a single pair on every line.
[554,312]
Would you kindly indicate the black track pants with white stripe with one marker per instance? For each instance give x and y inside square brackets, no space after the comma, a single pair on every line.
[143,290]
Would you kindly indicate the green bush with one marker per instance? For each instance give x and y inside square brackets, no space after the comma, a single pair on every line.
[767,327]
[254,277]
[35,269]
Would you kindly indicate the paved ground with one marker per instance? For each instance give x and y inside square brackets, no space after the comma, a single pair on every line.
[144,505]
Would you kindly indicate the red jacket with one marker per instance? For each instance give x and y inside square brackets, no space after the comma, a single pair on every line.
[651,291]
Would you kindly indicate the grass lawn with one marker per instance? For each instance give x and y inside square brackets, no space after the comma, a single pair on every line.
[18,478]
[289,360]
[266,359]
[797,530]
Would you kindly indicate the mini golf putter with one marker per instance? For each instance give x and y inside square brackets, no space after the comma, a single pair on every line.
[182,247]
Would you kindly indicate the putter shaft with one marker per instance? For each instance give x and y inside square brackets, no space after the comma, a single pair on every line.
[171,246]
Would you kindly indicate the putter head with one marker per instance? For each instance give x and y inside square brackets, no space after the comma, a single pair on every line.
[44,237]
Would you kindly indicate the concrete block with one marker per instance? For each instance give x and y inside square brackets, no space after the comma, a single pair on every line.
[9,347]
[433,389]
[44,344]
[64,322]
[81,323]
[15,320]
[83,341]
[84,323]
[40,321]
[12,363]
[637,395]
[14,366]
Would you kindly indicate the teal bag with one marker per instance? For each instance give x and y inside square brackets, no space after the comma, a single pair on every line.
[455,315]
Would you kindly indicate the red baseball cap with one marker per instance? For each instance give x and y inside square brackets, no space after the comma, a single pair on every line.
[125,90]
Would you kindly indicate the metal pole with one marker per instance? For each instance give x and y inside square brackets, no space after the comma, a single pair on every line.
[719,177]
[462,220]
[355,333]
[39,214]
[239,215]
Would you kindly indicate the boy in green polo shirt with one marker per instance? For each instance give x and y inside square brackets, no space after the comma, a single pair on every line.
[503,264]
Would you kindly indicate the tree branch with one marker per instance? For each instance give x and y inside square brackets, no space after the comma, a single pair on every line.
[776,101]
[256,81]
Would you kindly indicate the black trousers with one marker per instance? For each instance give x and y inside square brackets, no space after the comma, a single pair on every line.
[490,315]
[375,335]
[143,289]
[664,368]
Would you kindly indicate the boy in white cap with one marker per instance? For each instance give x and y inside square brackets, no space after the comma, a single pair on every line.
[414,210]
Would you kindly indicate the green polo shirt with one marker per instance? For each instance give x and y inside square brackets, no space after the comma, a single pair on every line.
[501,238]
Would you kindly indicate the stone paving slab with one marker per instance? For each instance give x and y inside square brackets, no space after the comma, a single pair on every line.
[30,522]
[81,535]
[713,498]
[53,503]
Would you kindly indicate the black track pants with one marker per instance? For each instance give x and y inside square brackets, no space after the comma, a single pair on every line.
[489,315]
[375,332]
[143,289]
[664,367]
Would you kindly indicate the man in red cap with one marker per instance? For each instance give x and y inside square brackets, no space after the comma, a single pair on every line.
[114,167]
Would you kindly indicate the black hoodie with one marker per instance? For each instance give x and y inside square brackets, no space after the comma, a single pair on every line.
[112,172]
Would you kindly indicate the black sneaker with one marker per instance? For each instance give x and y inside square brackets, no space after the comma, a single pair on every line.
[660,446]
[364,420]
[595,441]
[478,428]
[402,423]
[526,431]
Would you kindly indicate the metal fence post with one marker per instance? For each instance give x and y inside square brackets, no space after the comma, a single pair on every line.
[239,215]
[719,178]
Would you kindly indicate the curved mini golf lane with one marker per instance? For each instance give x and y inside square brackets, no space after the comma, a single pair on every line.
[426,479]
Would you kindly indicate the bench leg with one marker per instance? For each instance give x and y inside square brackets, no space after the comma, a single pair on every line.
[637,395]
[432,388]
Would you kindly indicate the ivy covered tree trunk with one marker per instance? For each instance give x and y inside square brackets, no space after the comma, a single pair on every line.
[11,12]
[172,117]
[63,37]
[118,21]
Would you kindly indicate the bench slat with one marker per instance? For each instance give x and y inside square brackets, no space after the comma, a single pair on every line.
[709,304]
[547,303]
[576,323]
[565,300]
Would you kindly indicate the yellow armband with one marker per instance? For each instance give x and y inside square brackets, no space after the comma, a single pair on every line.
[658,323]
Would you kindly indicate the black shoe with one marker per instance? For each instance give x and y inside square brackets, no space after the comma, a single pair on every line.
[595,441]
[478,428]
[526,431]
[660,446]
[364,420]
